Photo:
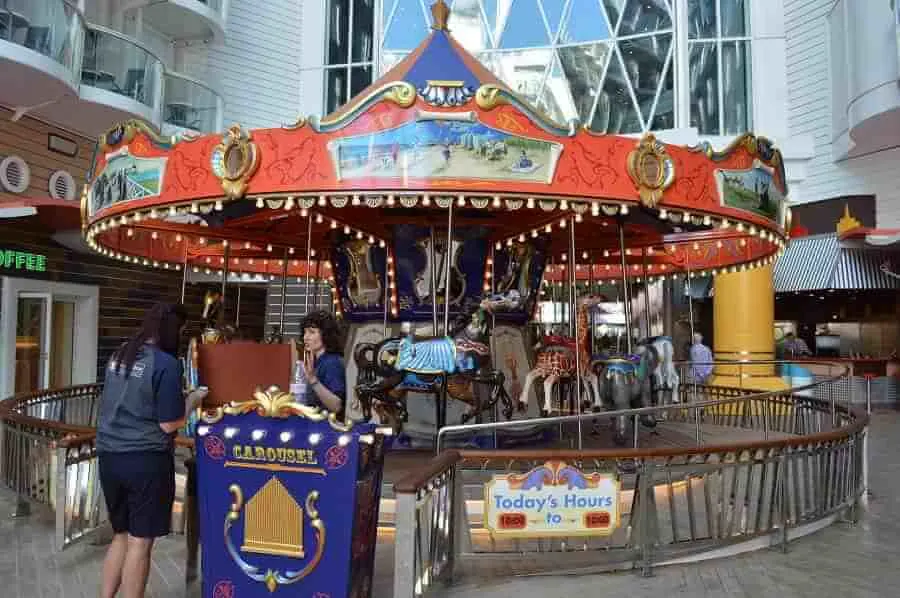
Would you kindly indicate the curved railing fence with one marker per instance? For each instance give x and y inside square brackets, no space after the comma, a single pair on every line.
[791,461]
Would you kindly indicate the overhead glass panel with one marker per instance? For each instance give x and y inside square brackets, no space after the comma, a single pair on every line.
[493,19]
[468,27]
[556,98]
[644,59]
[553,10]
[585,22]
[702,18]
[407,27]
[704,76]
[524,27]
[644,16]
[616,112]
[584,67]
[736,89]
[664,114]
[523,71]
[614,11]
[735,18]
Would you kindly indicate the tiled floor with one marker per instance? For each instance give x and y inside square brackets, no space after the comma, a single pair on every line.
[841,561]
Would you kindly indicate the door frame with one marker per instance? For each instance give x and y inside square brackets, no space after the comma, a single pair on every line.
[87,318]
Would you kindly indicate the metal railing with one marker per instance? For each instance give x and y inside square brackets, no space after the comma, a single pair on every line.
[191,104]
[53,28]
[805,463]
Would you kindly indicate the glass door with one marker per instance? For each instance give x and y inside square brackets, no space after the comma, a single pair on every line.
[33,330]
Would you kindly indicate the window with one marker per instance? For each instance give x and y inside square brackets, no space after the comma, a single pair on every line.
[719,58]
[608,63]
[349,52]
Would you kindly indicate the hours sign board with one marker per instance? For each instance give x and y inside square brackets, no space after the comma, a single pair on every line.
[555,499]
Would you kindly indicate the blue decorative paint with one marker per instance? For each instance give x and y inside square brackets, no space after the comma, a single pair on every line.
[345,474]
[440,60]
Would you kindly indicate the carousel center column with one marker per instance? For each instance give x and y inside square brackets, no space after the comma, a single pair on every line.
[743,320]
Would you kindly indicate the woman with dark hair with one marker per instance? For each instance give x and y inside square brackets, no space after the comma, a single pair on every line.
[323,362]
[141,410]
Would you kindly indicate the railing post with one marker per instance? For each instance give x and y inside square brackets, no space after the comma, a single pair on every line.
[645,482]
[854,486]
[783,499]
[765,417]
[458,521]
[405,546]
[23,507]
[61,496]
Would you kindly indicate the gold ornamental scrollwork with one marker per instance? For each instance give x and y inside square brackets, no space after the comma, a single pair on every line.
[234,162]
[124,133]
[275,403]
[401,93]
[490,96]
[652,170]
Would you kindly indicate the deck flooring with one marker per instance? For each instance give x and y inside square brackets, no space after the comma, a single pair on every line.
[844,560]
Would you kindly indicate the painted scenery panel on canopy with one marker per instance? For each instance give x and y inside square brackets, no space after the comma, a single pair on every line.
[124,178]
[753,190]
[416,261]
[445,149]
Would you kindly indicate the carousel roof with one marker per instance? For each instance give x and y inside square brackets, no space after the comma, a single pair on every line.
[439,137]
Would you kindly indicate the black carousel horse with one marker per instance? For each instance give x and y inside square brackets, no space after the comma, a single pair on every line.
[457,365]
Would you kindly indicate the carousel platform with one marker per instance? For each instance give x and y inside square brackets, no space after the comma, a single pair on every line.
[837,561]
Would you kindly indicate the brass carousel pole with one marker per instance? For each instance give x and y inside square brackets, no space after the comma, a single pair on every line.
[387,290]
[646,293]
[284,267]
[448,252]
[626,294]
[309,220]
[590,315]
[184,278]
[237,309]
[225,253]
[573,320]
[431,257]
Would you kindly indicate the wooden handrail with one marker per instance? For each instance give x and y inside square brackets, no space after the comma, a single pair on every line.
[418,478]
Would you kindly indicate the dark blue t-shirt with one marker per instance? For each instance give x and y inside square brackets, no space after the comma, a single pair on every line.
[132,408]
[330,372]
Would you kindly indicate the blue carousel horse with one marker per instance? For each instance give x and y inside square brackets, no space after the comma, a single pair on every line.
[456,365]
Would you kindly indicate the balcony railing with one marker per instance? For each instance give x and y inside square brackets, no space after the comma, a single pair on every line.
[116,63]
[190,104]
[53,28]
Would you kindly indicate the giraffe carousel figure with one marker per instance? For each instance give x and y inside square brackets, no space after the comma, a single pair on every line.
[556,360]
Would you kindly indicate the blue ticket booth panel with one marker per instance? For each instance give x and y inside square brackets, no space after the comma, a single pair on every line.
[288,500]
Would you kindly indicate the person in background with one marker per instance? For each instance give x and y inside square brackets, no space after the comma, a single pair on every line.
[701,360]
[141,409]
[795,346]
[323,362]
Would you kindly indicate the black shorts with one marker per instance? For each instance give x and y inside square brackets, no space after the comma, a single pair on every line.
[139,489]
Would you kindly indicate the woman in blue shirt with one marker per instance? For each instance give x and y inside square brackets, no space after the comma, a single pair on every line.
[323,362]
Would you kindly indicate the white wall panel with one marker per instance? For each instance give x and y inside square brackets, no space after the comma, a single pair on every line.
[257,67]
[810,113]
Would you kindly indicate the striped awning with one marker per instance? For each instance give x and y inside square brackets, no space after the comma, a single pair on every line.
[807,264]
[861,269]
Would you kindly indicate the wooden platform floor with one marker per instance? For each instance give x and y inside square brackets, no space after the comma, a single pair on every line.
[841,561]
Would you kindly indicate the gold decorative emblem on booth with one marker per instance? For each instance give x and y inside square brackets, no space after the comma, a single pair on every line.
[440,15]
[267,534]
[652,170]
[234,161]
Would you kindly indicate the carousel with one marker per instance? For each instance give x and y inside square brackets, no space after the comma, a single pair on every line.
[436,204]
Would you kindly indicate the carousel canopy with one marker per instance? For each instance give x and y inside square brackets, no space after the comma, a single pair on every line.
[364,196]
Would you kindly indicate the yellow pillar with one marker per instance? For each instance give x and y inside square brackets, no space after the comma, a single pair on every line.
[744,324]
